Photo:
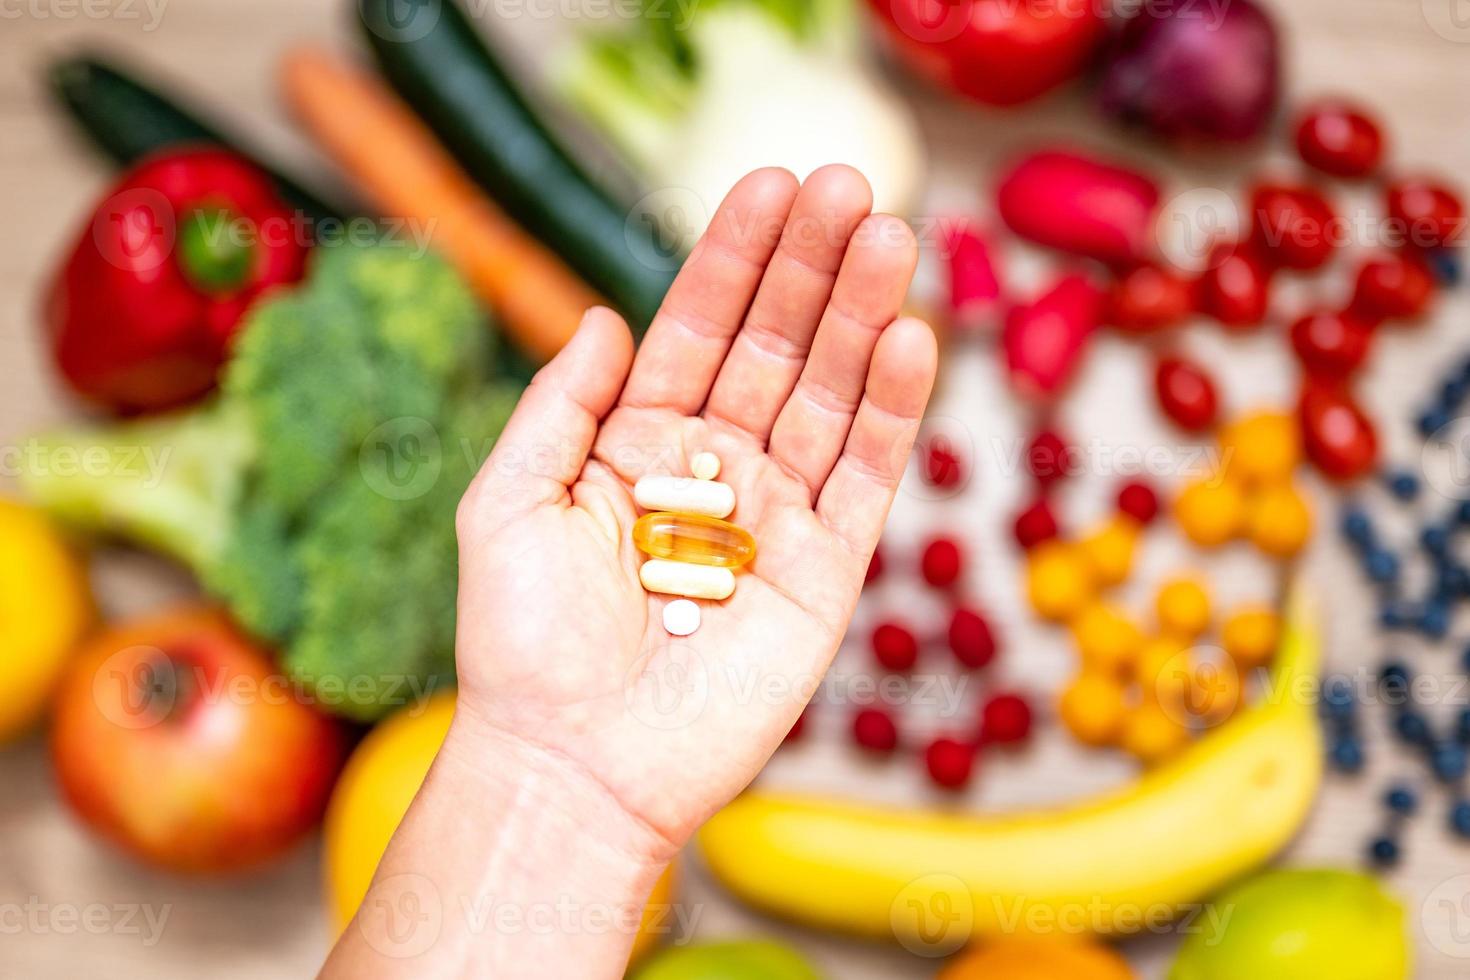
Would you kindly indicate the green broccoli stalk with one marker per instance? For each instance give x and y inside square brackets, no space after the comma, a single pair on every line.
[315,495]
[697,95]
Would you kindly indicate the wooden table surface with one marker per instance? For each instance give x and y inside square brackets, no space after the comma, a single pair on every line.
[1387,52]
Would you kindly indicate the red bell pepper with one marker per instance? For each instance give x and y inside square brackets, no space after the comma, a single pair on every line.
[1000,52]
[141,316]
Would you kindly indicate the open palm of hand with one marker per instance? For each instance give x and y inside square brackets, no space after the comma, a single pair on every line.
[780,349]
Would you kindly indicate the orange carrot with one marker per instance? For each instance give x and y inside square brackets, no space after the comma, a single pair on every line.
[400,167]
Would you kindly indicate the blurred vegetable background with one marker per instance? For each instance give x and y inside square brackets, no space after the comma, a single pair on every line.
[1196,269]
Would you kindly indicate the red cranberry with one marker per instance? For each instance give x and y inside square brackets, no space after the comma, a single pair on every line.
[873,729]
[942,465]
[942,563]
[1186,393]
[1149,298]
[1005,719]
[971,639]
[1035,524]
[1330,345]
[894,647]
[1047,457]
[1339,139]
[1291,226]
[1336,435]
[951,763]
[1235,289]
[1429,214]
[875,567]
[1392,287]
[1138,500]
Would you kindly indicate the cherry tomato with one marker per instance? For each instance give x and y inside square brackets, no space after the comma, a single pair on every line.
[1340,139]
[1292,226]
[1336,434]
[1150,298]
[1186,393]
[1235,288]
[1392,287]
[1331,345]
[1429,214]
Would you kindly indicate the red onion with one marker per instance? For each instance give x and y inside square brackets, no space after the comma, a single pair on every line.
[1195,71]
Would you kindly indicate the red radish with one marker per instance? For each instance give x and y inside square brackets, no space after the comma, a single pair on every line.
[1035,524]
[1392,287]
[1005,720]
[1336,434]
[942,562]
[1427,213]
[1339,138]
[1080,205]
[1292,226]
[1331,345]
[974,286]
[950,763]
[1047,457]
[1044,340]
[894,647]
[873,729]
[1139,501]
[1150,298]
[971,639]
[1186,393]
[1235,288]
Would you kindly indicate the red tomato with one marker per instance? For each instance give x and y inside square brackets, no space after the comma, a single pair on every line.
[1392,287]
[1150,298]
[1000,52]
[1235,289]
[1340,139]
[1336,434]
[1291,226]
[1331,345]
[1429,214]
[1186,393]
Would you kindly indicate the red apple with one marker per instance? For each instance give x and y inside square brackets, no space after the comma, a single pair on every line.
[178,740]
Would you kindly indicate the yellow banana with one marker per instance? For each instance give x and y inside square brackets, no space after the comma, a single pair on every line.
[1118,863]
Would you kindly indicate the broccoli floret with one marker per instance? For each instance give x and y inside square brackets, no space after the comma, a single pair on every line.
[316,494]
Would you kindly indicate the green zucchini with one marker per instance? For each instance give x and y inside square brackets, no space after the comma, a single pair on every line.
[435,58]
[128,121]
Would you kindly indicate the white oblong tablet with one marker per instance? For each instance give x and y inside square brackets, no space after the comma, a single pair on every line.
[705,466]
[686,579]
[683,495]
[681,617]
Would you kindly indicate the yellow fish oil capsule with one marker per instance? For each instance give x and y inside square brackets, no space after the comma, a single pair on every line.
[693,539]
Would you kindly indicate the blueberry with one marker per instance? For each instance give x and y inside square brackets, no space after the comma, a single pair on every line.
[1435,539]
[1460,818]
[1346,755]
[1453,391]
[1448,761]
[1381,565]
[1413,728]
[1401,799]
[1357,528]
[1445,265]
[1339,700]
[1434,622]
[1396,615]
[1462,512]
[1431,421]
[1462,726]
[1402,484]
[1456,580]
[1384,851]
[1393,679]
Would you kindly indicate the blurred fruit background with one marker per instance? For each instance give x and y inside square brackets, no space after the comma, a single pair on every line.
[1179,355]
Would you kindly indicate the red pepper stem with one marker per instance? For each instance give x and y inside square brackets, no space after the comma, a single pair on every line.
[216,250]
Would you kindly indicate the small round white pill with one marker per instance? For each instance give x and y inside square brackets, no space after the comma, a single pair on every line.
[681,617]
[705,466]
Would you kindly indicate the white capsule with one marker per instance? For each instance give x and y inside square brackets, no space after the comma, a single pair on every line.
[705,466]
[683,495]
[681,617]
[686,579]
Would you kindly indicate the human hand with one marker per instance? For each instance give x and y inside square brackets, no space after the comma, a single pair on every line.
[780,349]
